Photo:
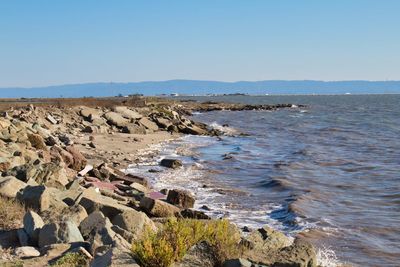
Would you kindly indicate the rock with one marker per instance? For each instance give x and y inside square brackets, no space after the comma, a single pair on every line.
[79,161]
[37,141]
[10,186]
[194,214]
[87,112]
[299,254]
[40,198]
[171,163]
[51,119]
[23,237]
[114,258]
[264,244]
[148,124]
[32,225]
[127,113]
[26,252]
[181,198]
[134,129]
[139,187]
[63,232]
[50,141]
[238,263]
[9,239]
[158,208]
[134,221]
[194,130]
[91,201]
[60,155]
[200,255]
[116,119]
[163,123]
[95,220]
[77,214]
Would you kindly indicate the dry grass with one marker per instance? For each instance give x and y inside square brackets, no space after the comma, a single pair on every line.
[172,242]
[11,214]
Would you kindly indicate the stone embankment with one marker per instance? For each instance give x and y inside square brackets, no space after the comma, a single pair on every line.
[54,163]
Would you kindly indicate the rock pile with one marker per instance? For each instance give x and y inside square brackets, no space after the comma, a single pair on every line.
[98,210]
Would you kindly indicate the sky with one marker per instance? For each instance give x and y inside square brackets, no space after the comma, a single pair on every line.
[47,42]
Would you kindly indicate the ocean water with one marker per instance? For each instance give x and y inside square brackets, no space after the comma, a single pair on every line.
[330,170]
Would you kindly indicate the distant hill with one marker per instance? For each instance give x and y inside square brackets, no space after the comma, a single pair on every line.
[204,87]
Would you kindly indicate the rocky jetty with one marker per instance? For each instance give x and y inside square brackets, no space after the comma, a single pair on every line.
[61,167]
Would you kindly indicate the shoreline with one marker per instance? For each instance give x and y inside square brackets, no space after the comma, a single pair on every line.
[91,145]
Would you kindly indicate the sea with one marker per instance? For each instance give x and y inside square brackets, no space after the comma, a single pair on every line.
[329,171]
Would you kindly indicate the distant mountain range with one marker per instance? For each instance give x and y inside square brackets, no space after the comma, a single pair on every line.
[204,87]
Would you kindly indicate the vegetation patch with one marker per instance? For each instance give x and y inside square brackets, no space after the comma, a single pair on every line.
[177,236]
[11,214]
[73,259]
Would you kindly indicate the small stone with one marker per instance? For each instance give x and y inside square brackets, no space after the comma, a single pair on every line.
[171,163]
[26,252]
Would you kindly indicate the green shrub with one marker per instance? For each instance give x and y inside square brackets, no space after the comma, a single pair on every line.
[171,243]
[72,259]
[11,214]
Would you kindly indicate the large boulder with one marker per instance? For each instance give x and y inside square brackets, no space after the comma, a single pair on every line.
[40,198]
[79,160]
[10,186]
[60,155]
[148,124]
[193,130]
[134,129]
[91,201]
[32,225]
[134,221]
[49,174]
[56,233]
[89,113]
[300,254]
[171,163]
[127,113]
[181,198]
[116,119]
[158,208]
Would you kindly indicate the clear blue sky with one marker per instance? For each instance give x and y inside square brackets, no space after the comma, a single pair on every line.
[75,41]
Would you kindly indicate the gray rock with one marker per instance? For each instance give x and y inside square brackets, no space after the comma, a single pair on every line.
[40,198]
[10,186]
[127,113]
[56,233]
[158,208]
[32,225]
[134,129]
[194,214]
[91,201]
[23,237]
[171,163]
[134,221]
[240,263]
[116,119]
[181,198]
[200,255]
[299,254]
[148,124]
[114,257]
[96,220]
[26,252]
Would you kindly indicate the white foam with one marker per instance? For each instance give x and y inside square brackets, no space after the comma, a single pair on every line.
[225,129]
[326,257]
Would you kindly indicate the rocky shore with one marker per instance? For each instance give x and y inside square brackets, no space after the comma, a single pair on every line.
[65,200]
